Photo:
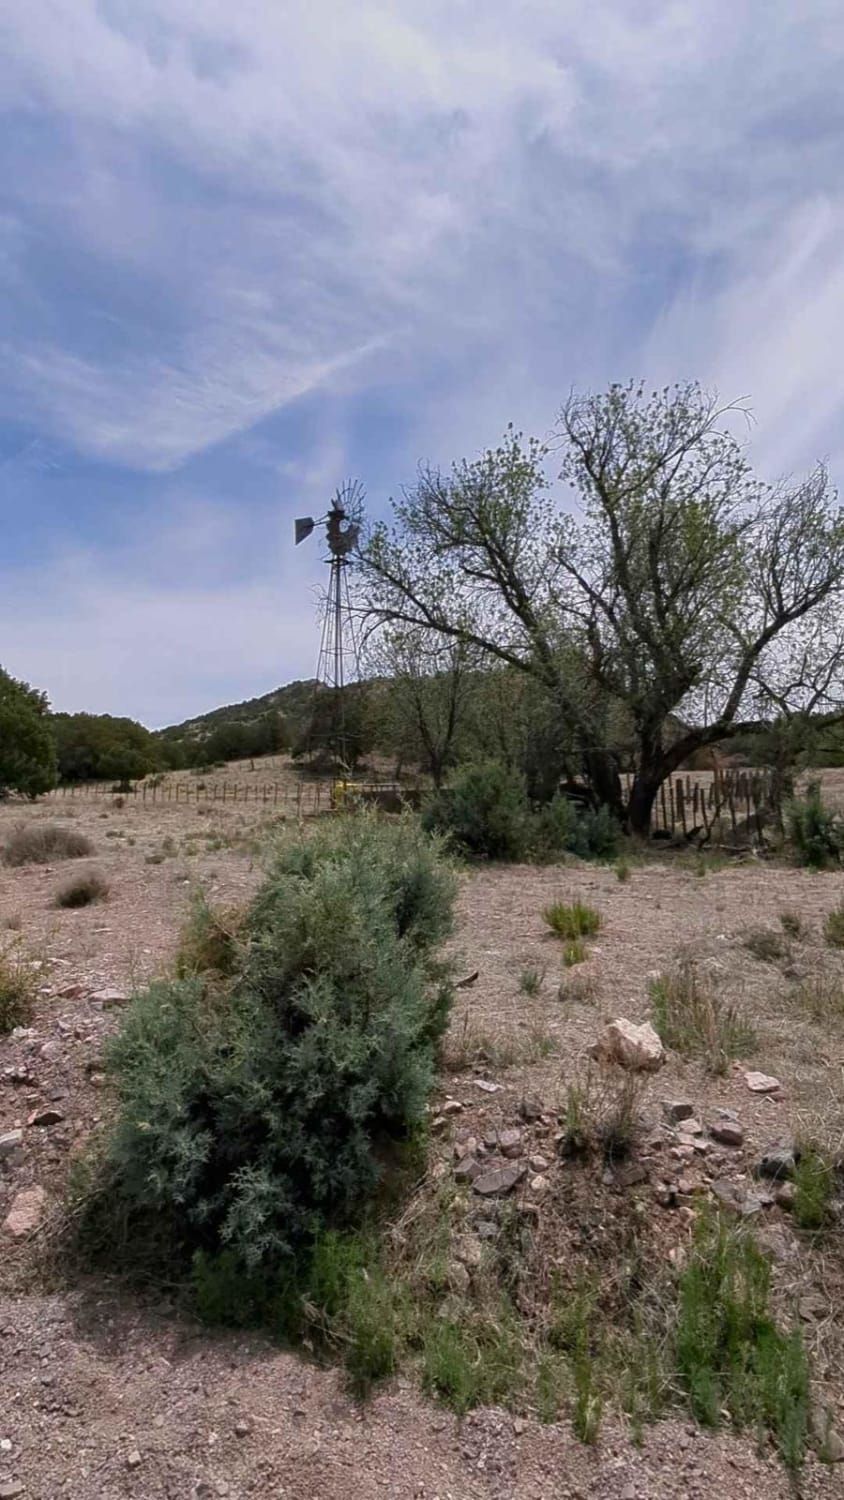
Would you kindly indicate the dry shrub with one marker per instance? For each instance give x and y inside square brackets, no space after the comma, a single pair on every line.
[822,997]
[43,844]
[765,944]
[83,890]
[210,940]
[17,989]
[693,1020]
[601,1113]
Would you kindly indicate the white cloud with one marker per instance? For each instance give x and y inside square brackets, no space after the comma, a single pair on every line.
[306,187]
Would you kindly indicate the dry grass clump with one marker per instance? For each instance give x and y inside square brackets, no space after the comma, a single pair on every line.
[765,944]
[821,996]
[469,1046]
[693,1020]
[44,843]
[83,890]
[17,989]
[833,927]
[210,940]
[792,924]
[601,1113]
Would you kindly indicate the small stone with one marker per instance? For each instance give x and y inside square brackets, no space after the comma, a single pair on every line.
[830,1443]
[734,1197]
[530,1108]
[438,1123]
[762,1083]
[44,1117]
[465,1148]
[467,1170]
[635,1047]
[785,1195]
[71,991]
[510,1142]
[779,1161]
[666,1194]
[110,997]
[726,1132]
[540,1185]
[10,1143]
[452,1107]
[683,1153]
[486,1229]
[685,1186]
[676,1110]
[133,1459]
[499,1181]
[691,1126]
[51,1050]
[242,1428]
[813,1308]
[487,1085]
[538,1163]
[519,1426]
[26,1213]
[10,1488]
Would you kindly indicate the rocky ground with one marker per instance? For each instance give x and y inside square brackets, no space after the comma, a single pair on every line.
[108,1396]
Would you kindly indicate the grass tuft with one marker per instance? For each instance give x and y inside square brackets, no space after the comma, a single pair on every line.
[814,1181]
[574,953]
[692,1020]
[623,871]
[210,939]
[792,924]
[531,981]
[17,989]
[833,927]
[765,944]
[572,919]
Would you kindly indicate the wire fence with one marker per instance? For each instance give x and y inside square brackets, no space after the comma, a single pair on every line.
[293,799]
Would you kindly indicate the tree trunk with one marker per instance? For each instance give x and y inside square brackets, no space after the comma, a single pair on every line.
[602,771]
[641,801]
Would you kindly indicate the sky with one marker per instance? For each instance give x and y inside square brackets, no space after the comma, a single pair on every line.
[250,250]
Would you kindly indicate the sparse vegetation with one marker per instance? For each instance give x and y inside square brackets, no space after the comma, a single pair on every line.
[17,988]
[814,830]
[833,927]
[483,811]
[83,890]
[822,997]
[693,1020]
[814,1179]
[209,940]
[572,919]
[792,924]
[44,844]
[574,953]
[765,944]
[531,981]
[623,871]
[601,1114]
[731,1356]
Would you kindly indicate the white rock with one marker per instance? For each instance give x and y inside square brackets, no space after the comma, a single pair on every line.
[635,1047]
[762,1083]
[26,1212]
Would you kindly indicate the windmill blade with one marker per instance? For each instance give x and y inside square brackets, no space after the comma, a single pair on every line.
[303,526]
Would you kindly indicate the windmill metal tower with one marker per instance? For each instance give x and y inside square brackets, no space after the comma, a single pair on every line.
[338,662]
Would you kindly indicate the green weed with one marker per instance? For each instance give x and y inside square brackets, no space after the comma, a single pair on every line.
[692,1020]
[572,919]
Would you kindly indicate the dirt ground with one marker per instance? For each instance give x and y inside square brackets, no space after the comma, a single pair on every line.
[104,1396]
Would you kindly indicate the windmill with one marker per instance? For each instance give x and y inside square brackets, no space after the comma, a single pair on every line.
[338,662]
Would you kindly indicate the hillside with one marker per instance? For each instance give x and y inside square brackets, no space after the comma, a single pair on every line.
[292,701]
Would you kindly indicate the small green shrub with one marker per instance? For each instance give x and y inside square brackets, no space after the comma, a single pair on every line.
[83,890]
[531,981]
[572,919]
[562,827]
[691,1019]
[253,1118]
[623,871]
[574,953]
[44,844]
[730,1354]
[765,944]
[814,1181]
[814,830]
[833,927]
[484,812]
[17,989]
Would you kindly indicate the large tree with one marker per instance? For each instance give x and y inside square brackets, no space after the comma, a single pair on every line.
[672,585]
[422,696]
[27,747]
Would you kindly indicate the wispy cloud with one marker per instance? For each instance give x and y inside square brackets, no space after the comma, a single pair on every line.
[247,245]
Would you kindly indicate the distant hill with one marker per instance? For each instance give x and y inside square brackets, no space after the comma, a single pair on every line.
[293,702]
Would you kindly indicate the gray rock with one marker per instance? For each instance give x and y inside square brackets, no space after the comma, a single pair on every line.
[500,1181]
[734,1197]
[486,1229]
[110,997]
[452,1107]
[10,1144]
[510,1142]
[487,1085]
[10,1488]
[630,1174]
[726,1132]
[779,1161]
[785,1195]
[467,1170]
[133,1459]
[530,1108]
[676,1110]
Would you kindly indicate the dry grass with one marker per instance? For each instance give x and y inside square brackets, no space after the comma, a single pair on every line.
[765,944]
[833,927]
[17,989]
[821,996]
[44,843]
[694,1021]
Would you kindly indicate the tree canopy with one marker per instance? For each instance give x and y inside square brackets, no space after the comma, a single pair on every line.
[27,749]
[672,586]
[93,747]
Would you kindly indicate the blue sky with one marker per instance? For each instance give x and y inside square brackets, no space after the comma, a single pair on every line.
[249,250]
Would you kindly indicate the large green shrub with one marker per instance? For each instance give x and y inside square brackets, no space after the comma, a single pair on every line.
[484,811]
[815,832]
[561,827]
[27,751]
[254,1115]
